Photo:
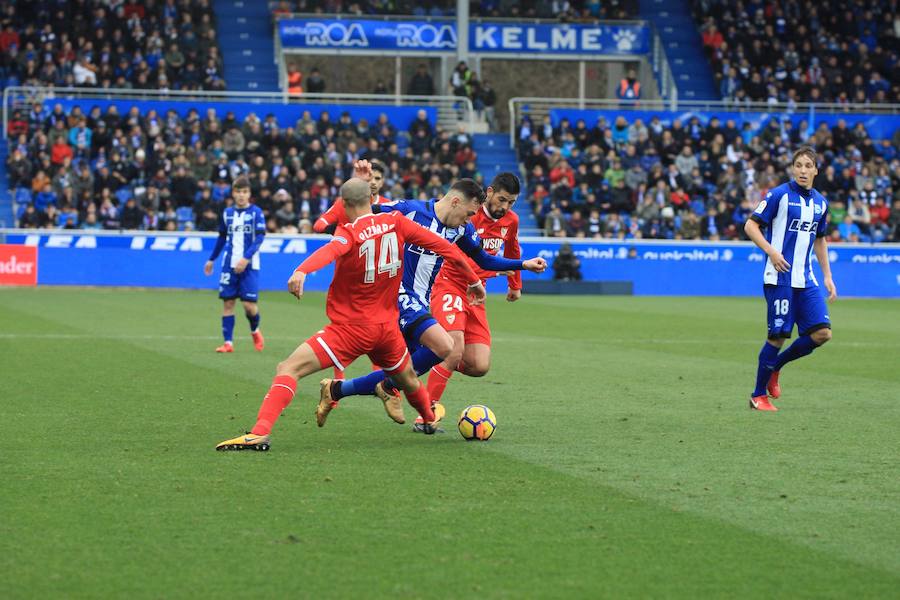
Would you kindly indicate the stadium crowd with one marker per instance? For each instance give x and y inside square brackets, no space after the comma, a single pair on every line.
[139,44]
[108,170]
[690,180]
[541,9]
[803,51]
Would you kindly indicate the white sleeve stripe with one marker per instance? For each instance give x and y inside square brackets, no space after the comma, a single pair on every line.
[330,354]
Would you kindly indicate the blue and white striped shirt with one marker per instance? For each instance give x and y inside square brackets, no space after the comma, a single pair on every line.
[793,217]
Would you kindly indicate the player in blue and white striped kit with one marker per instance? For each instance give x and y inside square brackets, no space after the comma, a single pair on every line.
[429,343]
[241,232]
[794,217]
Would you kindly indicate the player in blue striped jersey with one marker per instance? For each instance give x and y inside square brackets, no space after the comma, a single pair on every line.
[429,342]
[793,215]
[242,228]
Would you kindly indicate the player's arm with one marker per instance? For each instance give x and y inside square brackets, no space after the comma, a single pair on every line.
[217,249]
[512,250]
[471,245]
[762,217]
[327,222]
[416,234]
[327,254]
[820,246]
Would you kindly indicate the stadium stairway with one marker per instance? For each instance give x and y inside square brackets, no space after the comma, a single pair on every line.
[683,46]
[7,214]
[495,156]
[248,48]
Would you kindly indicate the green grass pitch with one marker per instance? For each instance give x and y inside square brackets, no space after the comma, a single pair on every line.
[626,462]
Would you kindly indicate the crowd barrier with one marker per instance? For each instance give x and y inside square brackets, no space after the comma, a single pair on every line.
[287,115]
[157,259]
[879,126]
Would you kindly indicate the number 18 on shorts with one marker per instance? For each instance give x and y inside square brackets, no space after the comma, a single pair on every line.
[787,306]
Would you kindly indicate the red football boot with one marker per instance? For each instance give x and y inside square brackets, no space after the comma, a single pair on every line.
[773,387]
[226,347]
[258,341]
[762,403]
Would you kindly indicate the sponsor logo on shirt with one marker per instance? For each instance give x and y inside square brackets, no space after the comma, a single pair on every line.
[803,226]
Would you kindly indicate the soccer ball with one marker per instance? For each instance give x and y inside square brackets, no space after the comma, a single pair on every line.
[477,422]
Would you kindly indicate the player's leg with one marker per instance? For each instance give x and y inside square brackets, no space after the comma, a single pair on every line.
[227,325]
[302,362]
[417,396]
[248,285]
[476,358]
[251,311]
[780,321]
[440,374]
[429,343]
[813,325]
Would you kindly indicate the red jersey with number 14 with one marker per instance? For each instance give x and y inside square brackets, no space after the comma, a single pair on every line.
[369,269]
[495,234]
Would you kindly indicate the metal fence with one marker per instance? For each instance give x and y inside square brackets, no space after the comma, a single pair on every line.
[537,108]
[23,97]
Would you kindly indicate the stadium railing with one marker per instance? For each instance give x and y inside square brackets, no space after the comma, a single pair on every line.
[22,97]
[538,108]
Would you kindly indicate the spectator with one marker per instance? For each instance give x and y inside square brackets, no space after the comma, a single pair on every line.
[629,87]
[315,83]
[566,266]
[421,83]
[294,80]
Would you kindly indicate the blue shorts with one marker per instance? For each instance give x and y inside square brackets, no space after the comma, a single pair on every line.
[803,306]
[415,318]
[239,285]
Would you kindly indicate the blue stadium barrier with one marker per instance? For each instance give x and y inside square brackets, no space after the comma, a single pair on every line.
[157,259]
[400,117]
[879,126]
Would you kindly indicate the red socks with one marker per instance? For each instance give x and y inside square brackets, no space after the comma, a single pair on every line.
[421,402]
[338,374]
[437,381]
[280,395]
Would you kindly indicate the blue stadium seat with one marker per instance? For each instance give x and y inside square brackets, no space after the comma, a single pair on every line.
[123,194]
[184,214]
[23,195]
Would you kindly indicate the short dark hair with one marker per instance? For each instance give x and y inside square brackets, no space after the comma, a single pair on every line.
[506,181]
[241,183]
[805,151]
[470,189]
[377,165]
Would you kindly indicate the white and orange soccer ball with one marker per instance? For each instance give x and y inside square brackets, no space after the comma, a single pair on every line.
[477,422]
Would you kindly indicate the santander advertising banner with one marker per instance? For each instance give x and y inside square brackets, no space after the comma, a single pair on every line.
[18,265]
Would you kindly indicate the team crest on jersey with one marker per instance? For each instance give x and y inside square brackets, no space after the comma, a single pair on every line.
[450,318]
[503,231]
[479,231]
[818,209]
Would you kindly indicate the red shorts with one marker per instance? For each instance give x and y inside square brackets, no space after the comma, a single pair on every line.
[452,310]
[340,344]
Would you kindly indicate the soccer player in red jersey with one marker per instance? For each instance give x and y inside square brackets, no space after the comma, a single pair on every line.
[336,215]
[498,227]
[362,307]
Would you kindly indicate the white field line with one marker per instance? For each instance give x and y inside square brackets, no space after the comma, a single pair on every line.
[526,339]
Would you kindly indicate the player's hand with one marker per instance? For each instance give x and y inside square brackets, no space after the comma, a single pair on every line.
[295,284]
[476,294]
[208,268]
[778,261]
[363,170]
[241,266]
[513,295]
[535,265]
[832,289]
